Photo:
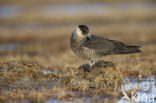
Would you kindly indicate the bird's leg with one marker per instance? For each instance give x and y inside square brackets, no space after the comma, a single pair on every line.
[92,64]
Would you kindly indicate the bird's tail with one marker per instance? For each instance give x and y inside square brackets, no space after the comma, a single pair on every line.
[134,49]
[130,49]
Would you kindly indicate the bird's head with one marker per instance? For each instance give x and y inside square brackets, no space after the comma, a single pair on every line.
[82,31]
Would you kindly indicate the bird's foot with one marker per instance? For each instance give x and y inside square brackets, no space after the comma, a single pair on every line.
[85,67]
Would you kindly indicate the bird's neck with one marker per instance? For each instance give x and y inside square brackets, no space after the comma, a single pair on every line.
[77,38]
[76,42]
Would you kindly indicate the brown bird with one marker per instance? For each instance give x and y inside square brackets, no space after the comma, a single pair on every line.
[93,47]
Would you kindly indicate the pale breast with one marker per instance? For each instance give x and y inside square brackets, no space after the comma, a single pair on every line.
[82,51]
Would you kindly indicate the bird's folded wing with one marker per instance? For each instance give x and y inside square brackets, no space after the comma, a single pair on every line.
[100,44]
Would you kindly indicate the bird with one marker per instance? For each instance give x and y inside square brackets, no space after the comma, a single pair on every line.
[93,47]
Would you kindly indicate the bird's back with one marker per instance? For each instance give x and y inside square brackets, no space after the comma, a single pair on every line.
[104,46]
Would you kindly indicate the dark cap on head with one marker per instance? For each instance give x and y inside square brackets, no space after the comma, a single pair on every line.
[84,29]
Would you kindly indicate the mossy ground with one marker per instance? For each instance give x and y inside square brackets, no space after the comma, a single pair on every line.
[11,71]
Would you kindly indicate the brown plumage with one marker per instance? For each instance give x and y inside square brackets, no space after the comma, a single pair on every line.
[93,47]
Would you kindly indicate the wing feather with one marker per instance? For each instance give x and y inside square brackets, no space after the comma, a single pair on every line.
[101,45]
